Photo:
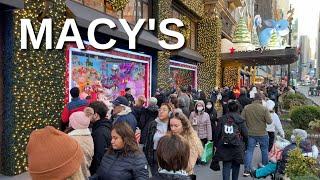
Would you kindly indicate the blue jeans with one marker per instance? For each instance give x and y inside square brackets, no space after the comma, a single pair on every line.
[252,141]
[227,166]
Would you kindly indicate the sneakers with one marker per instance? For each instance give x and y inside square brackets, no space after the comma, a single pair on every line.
[253,173]
[246,173]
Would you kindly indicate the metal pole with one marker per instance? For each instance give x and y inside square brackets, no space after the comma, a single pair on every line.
[290,31]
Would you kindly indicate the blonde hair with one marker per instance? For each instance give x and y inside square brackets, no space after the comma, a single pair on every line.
[77,175]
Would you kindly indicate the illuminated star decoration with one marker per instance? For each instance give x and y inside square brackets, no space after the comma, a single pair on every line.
[232,51]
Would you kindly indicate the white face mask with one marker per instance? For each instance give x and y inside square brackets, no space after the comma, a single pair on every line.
[209,106]
[200,108]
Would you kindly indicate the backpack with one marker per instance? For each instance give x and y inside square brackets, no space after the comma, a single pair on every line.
[230,132]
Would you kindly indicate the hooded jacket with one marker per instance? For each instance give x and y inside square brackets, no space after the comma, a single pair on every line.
[230,153]
[202,125]
[149,114]
[126,116]
[101,135]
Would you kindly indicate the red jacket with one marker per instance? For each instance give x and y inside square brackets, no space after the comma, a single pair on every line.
[75,105]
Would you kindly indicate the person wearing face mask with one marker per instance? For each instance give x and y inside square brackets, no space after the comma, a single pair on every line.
[212,114]
[201,123]
[156,129]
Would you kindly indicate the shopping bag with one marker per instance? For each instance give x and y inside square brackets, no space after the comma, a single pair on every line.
[207,153]
[281,143]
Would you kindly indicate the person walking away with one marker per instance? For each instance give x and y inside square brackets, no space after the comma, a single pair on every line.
[179,124]
[275,126]
[273,95]
[129,97]
[138,108]
[243,99]
[101,132]
[79,130]
[173,163]
[201,122]
[149,115]
[123,160]
[62,158]
[184,101]
[210,109]
[75,105]
[256,117]
[157,129]
[230,137]
[123,113]
[253,92]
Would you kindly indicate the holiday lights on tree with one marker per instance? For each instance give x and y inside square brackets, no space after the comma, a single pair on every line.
[242,34]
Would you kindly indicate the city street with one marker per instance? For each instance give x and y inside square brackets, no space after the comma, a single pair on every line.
[304,90]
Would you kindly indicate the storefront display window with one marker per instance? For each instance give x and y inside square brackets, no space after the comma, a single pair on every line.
[108,72]
[183,74]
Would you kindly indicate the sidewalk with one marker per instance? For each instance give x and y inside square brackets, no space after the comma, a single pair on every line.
[24,176]
[304,90]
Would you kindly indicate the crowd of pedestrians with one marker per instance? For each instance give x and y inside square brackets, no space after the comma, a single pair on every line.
[162,137]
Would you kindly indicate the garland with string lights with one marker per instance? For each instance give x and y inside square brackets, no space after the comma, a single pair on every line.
[37,85]
[231,75]
[118,5]
[196,6]
[209,39]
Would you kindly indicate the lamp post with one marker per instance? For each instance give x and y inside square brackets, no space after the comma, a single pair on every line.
[290,18]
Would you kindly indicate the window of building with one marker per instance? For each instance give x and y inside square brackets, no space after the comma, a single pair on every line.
[95,4]
[135,9]
[191,42]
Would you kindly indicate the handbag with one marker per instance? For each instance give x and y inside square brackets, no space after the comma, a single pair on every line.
[193,177]
[207,153]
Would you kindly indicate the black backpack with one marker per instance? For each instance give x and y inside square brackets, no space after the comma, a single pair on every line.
[230,132]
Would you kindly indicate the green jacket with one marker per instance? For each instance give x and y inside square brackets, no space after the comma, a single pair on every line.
[256,117]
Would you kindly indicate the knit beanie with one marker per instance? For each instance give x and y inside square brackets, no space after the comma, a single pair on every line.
[79,120]
[299,133]
[52,154]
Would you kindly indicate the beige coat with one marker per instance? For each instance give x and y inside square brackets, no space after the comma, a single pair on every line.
[84,138]
[196,150]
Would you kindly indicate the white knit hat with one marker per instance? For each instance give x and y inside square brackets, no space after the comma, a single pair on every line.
[270,105]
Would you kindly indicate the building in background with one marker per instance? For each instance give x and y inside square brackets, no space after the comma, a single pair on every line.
[317,51]
[305,56]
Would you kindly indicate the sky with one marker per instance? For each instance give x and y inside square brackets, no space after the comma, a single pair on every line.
[307,12]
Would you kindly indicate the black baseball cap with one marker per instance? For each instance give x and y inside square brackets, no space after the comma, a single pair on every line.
[120,100]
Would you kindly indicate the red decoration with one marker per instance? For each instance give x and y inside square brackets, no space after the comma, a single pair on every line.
[232,50]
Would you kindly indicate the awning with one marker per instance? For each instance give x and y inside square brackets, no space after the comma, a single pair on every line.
[12,4]
[188,54]
[261,57]
[84,16]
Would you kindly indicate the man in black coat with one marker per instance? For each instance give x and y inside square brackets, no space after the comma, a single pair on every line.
[243,98]
[101,133]
[129,97]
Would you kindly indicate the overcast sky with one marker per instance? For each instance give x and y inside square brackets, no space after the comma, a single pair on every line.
[307,12]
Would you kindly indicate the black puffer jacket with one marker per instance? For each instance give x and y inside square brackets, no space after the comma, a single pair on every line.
[115,166]
[230,153]
[149,115]
[148,149]
[163,176]
[101,135]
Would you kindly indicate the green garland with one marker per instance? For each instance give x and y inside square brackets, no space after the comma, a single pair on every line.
[196,6]
[186,31]
[37,84]
[209,72]
[118,5]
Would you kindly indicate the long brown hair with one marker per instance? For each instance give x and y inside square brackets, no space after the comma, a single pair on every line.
[128,137]
[186,125]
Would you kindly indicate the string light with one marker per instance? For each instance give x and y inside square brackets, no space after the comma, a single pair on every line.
[231,76]
[209,46]
[37,84]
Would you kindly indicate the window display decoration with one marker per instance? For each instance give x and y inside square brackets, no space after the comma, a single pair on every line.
[183,74]
[107,73]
